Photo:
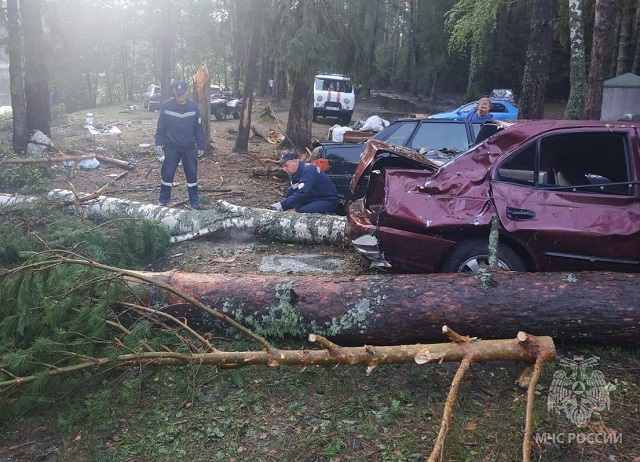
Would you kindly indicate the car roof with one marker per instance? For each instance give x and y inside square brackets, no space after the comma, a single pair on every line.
[333,76]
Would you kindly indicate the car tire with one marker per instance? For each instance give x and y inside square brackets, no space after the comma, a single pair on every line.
[473,255]
[315,116]
[236,114]
[218,114]
[345,120]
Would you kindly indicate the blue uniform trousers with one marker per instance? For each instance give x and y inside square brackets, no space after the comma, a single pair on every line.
[172,157]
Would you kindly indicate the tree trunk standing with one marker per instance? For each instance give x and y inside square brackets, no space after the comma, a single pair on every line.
[166,50]
[300,111]
[397,309]
[578,78]
[244,128]
[635,67]
[36,88]
[304,51]
[624,39]
[536,71]
[593,104]
[18,104]
[613,42]
[202,96]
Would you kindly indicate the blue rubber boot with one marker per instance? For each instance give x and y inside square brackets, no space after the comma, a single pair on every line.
[193,197]
[165,194]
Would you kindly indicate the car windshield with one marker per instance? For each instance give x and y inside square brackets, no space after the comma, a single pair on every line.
[333,85]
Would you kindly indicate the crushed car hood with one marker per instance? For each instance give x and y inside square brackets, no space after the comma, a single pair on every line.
[382,146]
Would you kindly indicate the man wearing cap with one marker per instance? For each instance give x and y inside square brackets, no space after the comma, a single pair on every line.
[178,133]
[310,190]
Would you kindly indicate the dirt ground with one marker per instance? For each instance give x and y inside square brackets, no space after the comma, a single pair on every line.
[222,175]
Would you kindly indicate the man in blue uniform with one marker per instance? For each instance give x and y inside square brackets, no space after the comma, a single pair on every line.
[178,133]
[310,190]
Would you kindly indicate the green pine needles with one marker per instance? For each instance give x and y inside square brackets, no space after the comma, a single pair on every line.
[56,314]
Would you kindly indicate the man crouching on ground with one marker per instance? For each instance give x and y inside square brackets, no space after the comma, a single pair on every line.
[310,190]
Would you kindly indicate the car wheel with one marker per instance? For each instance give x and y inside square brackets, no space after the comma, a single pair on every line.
[219,115]
[345,207]
[236,114]
[315,116]
[473,256]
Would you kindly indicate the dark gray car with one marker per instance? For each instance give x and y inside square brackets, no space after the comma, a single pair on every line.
[438,139]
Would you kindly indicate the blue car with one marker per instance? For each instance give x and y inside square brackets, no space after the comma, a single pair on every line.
[500,109]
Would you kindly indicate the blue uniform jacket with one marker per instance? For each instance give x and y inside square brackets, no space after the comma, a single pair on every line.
[179,125]
[308,184]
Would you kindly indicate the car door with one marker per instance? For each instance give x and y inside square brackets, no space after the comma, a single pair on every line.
[587,222]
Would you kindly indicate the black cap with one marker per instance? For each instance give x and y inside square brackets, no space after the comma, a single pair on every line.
[289,155]
[180,87]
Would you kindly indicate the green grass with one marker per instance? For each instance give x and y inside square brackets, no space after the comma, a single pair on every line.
[318,414]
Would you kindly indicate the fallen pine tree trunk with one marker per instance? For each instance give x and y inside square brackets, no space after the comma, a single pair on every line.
[300,228]
[396,309]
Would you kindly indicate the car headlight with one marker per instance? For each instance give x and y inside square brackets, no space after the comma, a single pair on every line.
[347,101]
[319,98]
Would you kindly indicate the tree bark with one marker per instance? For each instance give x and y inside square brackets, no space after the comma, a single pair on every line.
[302,228]
[635,67]
[624,38]
[202,96]
[36,87]
[575,103]
[396,309]
[536,73]
[244,128]
[20,138]
[166,50]
[593,105]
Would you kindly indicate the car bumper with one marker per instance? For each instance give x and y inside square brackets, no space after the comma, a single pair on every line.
[393,248]
[332,112]
[154,105]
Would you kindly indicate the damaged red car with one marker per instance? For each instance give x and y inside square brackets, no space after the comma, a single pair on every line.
[566,195]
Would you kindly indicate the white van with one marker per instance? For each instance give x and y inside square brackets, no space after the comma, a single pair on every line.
[333,96]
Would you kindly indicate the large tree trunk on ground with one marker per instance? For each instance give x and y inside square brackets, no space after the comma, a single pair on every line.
[303,228]
[395,309]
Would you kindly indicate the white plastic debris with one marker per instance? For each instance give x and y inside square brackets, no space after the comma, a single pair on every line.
[35,149]
[88,164]
[375,123]
[337,133]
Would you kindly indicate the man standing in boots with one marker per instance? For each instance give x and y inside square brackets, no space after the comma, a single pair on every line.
[179,132]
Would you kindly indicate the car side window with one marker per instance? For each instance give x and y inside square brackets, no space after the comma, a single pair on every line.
[520,168]
[585,162]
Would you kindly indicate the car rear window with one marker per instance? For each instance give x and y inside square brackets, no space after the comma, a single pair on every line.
[398,133]
[441,136]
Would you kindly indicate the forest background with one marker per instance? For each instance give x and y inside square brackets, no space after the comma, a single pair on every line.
[105,52]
